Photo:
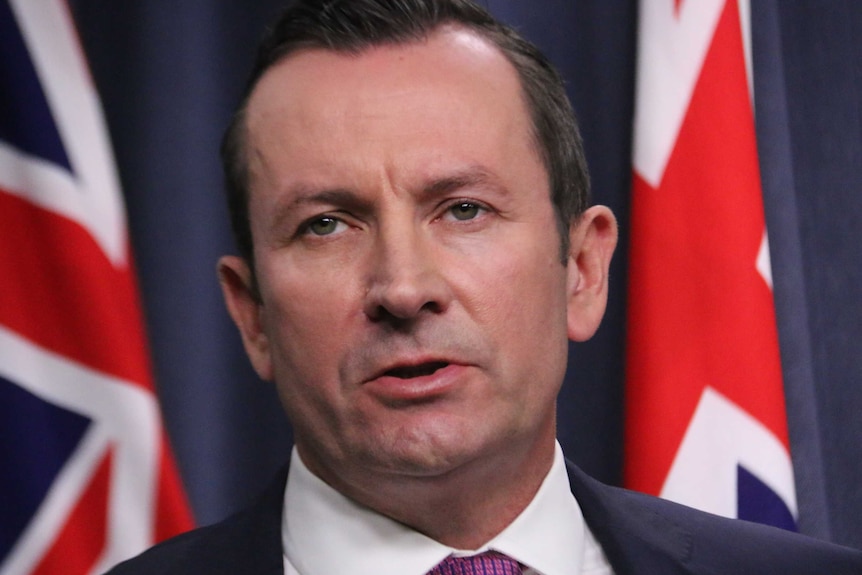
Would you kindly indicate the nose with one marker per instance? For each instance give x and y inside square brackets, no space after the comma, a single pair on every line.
[406,279]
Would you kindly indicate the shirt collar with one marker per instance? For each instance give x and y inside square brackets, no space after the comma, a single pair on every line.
[324,532]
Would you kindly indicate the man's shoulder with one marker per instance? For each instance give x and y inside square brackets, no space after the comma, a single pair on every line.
[637,528]
[196,551]
[249,541]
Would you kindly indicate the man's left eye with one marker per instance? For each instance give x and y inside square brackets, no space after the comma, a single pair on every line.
[324,226]
[465,210]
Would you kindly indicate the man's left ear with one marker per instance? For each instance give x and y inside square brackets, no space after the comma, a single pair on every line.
[592,240]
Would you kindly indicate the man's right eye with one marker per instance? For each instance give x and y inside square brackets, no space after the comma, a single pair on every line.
[324,226]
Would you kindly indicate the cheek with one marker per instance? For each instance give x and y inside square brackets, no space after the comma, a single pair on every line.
[530,287]
[307,338]
[307,320]
[520,302]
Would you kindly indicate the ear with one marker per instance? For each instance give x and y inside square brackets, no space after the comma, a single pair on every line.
[592,240]
[245,309]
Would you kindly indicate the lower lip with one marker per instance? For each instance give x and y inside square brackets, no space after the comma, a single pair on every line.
[417,389]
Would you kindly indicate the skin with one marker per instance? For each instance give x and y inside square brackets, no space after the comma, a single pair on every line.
[413,311]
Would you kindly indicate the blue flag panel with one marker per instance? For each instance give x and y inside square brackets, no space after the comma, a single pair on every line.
[25,118]
[32,458]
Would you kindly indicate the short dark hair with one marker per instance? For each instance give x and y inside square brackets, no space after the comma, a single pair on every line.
[351,26]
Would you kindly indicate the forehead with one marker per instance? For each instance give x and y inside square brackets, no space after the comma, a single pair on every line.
[450,51]
[450,93]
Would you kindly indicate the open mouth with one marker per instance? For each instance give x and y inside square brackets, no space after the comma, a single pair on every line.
[420,370]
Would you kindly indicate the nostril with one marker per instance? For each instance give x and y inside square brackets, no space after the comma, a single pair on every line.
[404,286]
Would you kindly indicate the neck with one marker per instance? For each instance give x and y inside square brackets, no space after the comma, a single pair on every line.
[464,507]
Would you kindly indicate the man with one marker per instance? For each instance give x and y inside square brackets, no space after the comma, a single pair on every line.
[409,195]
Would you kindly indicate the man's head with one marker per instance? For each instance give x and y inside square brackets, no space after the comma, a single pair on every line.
[351,26]
[408,297]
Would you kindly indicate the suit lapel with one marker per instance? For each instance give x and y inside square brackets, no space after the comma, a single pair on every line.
[258,531]
[635,539]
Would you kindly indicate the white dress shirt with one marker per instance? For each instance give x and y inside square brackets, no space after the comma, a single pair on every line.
[325,533]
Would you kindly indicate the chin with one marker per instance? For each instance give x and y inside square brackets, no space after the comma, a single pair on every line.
[428,453]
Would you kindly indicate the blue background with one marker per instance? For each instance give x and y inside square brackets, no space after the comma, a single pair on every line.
[170,72]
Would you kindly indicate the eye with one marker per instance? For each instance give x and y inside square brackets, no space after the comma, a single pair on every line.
[465,210]
[324,226]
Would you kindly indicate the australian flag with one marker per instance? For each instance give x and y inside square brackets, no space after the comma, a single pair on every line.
[86,478]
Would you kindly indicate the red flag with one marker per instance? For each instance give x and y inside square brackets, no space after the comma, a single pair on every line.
[88,479]
[705,417]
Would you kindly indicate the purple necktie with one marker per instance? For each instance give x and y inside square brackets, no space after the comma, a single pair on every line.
[488,563]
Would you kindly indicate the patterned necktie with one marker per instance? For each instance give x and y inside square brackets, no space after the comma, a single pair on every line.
[488,563]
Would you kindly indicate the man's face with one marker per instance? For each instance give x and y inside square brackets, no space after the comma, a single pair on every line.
[413,305]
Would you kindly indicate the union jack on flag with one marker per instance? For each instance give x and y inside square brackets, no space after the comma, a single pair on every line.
[86,478]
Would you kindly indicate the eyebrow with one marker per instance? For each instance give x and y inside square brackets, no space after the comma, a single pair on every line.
[341,196]
[470,177]
[311,196]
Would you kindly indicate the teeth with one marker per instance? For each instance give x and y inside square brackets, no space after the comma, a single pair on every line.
[416,370]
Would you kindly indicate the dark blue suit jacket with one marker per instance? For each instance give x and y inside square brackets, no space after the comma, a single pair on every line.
[640,535]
